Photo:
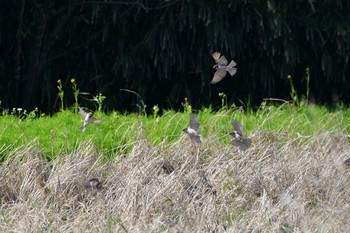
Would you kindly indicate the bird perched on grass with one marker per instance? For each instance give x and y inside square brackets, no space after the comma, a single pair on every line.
[238,134]
[93,184]
[222,67]
[88,118]
[193,129]
[347,162]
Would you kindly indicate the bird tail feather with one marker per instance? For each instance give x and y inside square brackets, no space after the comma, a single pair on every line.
[231,68]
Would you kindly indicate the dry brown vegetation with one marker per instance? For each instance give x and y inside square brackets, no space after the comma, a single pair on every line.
[280,184]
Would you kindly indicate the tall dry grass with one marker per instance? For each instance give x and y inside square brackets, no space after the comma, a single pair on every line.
[280,184]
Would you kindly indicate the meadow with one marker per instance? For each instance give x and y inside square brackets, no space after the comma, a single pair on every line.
[152,178]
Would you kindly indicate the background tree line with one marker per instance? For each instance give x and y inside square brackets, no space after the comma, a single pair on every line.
[161,50]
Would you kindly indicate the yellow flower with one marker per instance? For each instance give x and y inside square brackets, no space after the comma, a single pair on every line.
[59,81]
[307,69]
[289,76]
[72,80]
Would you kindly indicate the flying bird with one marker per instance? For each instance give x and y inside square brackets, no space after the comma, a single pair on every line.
[88,118]
[193,129]
[238,134]
[222,67]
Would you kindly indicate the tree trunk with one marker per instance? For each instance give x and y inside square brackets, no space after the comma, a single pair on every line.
[31,92]
[18,52]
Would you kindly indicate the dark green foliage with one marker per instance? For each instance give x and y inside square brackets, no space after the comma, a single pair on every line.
[161,50]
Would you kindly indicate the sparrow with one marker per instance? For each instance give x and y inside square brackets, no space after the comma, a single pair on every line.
[88,118]
[238,134]
[347,162]
[221,67]
[193,129]
[93,184]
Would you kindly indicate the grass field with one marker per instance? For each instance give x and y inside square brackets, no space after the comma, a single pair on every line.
[151,178]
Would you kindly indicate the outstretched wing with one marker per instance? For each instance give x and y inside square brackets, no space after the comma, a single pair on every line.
[247,141]
[82,113]
[194,123]
[94,120]
[238,127]
[242,144]
[216,56]
[239,143]
[218,76]
[196,138]
[219,60]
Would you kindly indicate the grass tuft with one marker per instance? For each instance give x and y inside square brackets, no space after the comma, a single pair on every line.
[134,173]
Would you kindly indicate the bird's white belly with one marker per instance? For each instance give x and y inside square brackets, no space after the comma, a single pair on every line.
[192,132]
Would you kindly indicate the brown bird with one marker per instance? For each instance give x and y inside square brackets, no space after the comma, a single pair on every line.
[222,67]
[93,184]
[347,162]
[193,129]
[238,134]
[88,118]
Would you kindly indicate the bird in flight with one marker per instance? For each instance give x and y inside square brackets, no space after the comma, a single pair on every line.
[88,118]
[238,134]
[193,129]
[222,67]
